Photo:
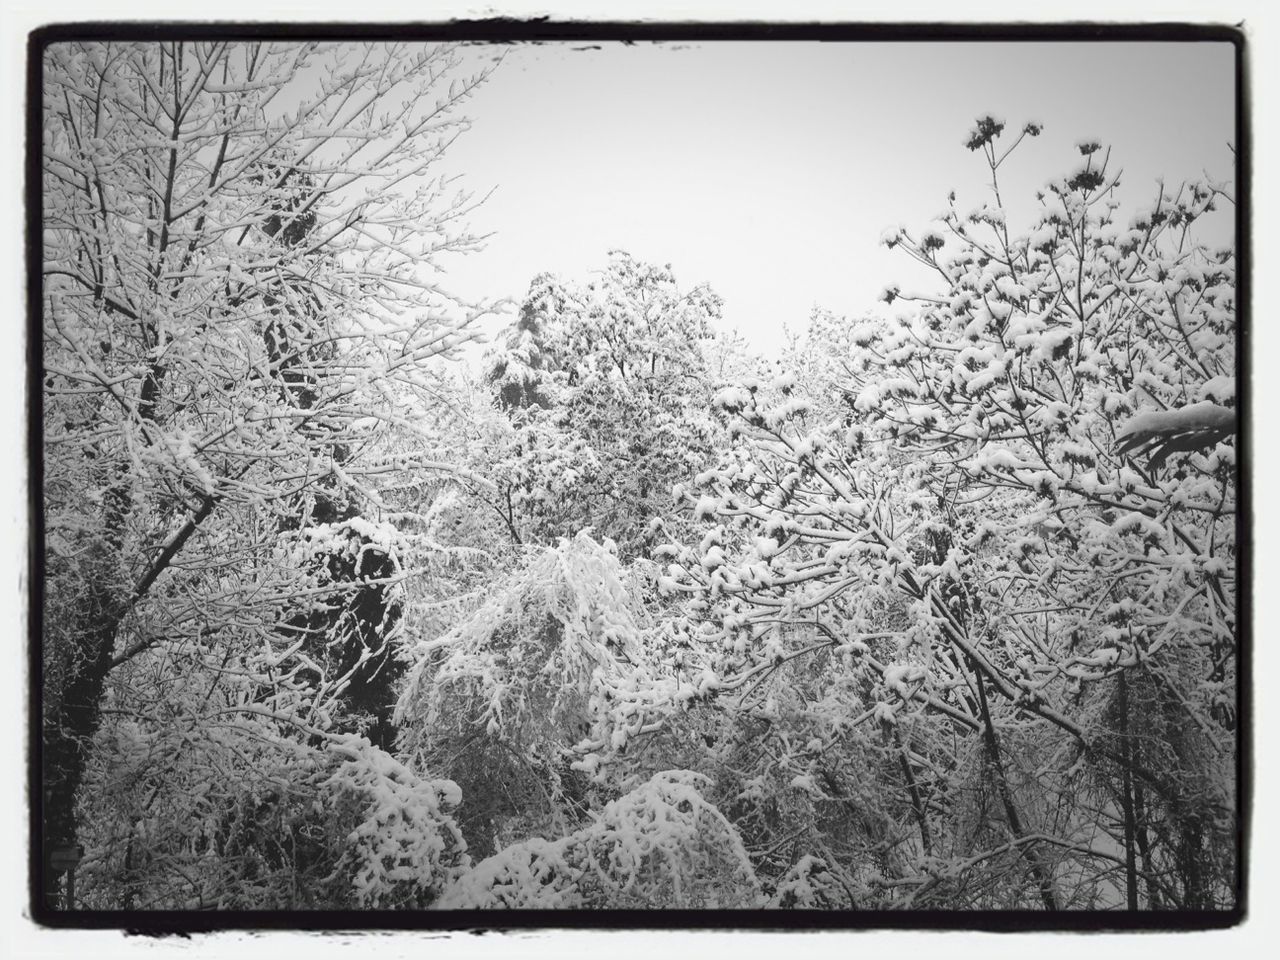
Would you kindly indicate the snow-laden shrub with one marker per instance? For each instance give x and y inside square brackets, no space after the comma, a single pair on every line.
[405,846]
[660,846]
[811,884]
[242,817]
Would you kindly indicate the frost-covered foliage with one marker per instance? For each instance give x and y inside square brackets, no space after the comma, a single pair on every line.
[937,609]
[810,885]
[606,388]
[976,532]
[235,311]
[405,846]
[237,816]
[571,619]
[660,846]
[522,700]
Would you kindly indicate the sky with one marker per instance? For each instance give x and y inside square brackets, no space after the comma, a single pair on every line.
[770,170]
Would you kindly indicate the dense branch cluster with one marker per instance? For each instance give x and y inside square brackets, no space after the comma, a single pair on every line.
[240,303]
[978,545]
[936,610]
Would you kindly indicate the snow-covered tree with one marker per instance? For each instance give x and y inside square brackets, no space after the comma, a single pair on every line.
[241,259]
[1012,545]
[934,609]
[607,387]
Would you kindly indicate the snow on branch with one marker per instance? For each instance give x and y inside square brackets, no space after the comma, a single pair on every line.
[660,846]
[1161,433]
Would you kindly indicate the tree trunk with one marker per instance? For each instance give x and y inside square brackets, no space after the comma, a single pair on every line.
[1126,801]
[917,801]
[70,728]
[1042,874]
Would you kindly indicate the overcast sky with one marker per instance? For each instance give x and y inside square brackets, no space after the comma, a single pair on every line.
[770,170]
